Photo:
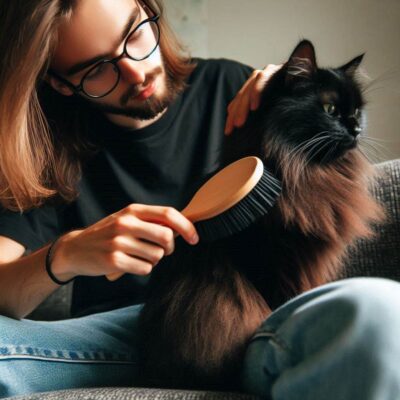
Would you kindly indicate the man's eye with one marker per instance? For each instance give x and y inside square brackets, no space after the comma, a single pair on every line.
[95,72]
[329,108]
[136,34]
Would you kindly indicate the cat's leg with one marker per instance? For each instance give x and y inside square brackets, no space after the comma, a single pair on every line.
[338,341]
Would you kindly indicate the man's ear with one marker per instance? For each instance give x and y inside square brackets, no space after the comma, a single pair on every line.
[58,86]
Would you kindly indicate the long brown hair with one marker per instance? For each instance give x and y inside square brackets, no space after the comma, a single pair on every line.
[42,140]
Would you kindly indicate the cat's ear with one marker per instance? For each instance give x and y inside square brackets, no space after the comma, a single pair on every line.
[350,68]
[302,63]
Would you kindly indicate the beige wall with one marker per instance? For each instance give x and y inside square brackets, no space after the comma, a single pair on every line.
[259,32]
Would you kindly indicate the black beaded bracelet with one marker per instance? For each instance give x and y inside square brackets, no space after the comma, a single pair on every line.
[48,265]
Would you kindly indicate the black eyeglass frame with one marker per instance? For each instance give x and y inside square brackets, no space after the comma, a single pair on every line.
[79,88]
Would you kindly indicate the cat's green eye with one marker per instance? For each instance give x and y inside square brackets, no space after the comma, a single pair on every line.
[330,108]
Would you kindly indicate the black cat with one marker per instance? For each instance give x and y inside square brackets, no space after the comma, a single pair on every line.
[204,307]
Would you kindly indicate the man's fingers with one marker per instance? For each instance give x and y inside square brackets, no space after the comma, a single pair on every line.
[243,106]
[261,80]
[248,98]
[228,125]
[235,110]
[240,106]
[257,88]
[167,216]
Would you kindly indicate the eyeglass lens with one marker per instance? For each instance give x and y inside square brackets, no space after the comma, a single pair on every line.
[103,78]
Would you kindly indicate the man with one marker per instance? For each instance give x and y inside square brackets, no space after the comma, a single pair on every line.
[134,127]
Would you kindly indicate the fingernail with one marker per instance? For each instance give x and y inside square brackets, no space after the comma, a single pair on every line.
[254,105]
[194,239]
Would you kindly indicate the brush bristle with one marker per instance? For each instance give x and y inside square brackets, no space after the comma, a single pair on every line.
[241,215]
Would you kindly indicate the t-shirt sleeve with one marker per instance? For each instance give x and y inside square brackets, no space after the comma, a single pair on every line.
[238,71]
[226,76]
[235,75]
[33,229]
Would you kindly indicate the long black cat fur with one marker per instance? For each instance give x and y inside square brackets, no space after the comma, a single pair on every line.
[207,304]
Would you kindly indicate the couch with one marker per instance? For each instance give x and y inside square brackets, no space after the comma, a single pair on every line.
[374,257]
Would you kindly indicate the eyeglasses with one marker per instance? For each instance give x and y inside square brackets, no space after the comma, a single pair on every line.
[104,76]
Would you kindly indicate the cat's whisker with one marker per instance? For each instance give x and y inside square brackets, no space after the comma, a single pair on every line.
[301,161]
[308,141]
[302,143]
[313,144]
[378,140]
[366,154]
[385,76]
[331,150]
[325,144]
[362,151]
[384,149]
[381,149]
[373,89]
[309,151]
[333,144]
[371,151]
[290,156]
[381,155]
[373,142]
[302,146]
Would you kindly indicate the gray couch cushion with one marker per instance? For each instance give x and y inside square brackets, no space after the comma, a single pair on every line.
[130,394]
[380,256]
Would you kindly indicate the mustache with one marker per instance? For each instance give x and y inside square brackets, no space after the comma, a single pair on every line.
[135,90]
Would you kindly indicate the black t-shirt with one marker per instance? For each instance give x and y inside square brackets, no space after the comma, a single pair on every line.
[162,164]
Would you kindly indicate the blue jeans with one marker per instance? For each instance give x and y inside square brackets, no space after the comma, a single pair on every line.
[338,341]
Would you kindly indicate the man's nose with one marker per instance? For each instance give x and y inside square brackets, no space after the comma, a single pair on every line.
[131,71]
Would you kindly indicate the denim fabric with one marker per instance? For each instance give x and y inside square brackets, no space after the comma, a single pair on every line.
[339,341]
[96,350]
[336,342]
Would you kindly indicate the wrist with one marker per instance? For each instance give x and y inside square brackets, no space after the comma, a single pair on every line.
[60,266]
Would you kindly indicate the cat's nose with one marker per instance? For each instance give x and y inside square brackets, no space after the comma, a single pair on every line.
[355,128]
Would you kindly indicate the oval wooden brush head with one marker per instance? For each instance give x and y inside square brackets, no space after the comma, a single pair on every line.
[221,192]
[225,189]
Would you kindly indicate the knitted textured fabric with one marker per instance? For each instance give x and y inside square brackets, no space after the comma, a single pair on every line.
[380,256]
[133,394]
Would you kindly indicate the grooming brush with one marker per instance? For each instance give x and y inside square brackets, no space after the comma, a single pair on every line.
[231,200]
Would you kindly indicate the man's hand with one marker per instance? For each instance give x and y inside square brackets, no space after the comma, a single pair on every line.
[132,240]
[248,97]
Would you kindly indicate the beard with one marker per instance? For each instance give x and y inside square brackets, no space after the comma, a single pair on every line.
[150,107]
